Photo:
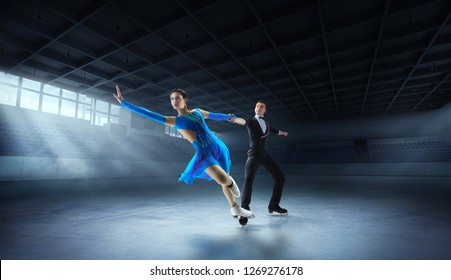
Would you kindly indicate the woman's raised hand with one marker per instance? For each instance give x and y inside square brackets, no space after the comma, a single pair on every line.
[118,94]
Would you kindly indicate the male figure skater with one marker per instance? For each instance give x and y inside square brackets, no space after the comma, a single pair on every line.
[259,130]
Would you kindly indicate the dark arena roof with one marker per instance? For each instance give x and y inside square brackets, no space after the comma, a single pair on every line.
[309,60]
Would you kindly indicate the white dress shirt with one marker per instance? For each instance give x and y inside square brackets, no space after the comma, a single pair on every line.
[261,122]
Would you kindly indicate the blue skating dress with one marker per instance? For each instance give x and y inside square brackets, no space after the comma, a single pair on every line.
[210,150]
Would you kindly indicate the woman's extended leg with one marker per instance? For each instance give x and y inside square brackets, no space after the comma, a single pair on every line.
[223,179]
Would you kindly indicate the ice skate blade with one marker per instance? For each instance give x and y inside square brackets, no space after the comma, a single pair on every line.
[274,213]
[242,217]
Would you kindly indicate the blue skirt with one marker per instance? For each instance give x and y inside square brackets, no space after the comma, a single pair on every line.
[214,154]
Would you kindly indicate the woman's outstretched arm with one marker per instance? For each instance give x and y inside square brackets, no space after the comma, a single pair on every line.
[143,111]
[223,117]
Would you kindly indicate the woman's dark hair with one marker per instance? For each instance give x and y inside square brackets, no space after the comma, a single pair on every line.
[181,92]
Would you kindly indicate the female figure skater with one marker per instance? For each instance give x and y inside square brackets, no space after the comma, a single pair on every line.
[212,158]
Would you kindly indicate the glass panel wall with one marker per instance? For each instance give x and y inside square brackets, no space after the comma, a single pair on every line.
[29,94]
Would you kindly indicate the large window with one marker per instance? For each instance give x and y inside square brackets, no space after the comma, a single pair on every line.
[69,95]
[29,94]
[51,90]
[68,108]
[29,99]
[8,94]
[84,107]
[101,112]
[9,79]
[50,104]
[9,85]
[68,103]
[30,84]
[101,118]
[114,113]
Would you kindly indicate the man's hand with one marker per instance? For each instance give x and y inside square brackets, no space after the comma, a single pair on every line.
[283,133]
[240,121]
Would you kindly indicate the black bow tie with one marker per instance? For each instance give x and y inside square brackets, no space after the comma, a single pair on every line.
[261,118]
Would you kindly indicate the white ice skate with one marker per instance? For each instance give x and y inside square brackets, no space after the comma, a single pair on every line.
[238,212]
[234,188]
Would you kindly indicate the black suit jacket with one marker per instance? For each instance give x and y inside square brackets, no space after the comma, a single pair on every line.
[257,137]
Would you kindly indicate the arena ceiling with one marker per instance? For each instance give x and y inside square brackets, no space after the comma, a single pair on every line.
[309,60]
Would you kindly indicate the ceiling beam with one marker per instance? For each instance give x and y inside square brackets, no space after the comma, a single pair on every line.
[282,59]
[376,51]
[431,42]
[326,49]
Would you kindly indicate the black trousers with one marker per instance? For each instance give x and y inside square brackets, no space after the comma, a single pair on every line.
[252,164]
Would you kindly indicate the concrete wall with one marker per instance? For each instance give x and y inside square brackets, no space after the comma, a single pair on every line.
[41,168]
[44,168]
